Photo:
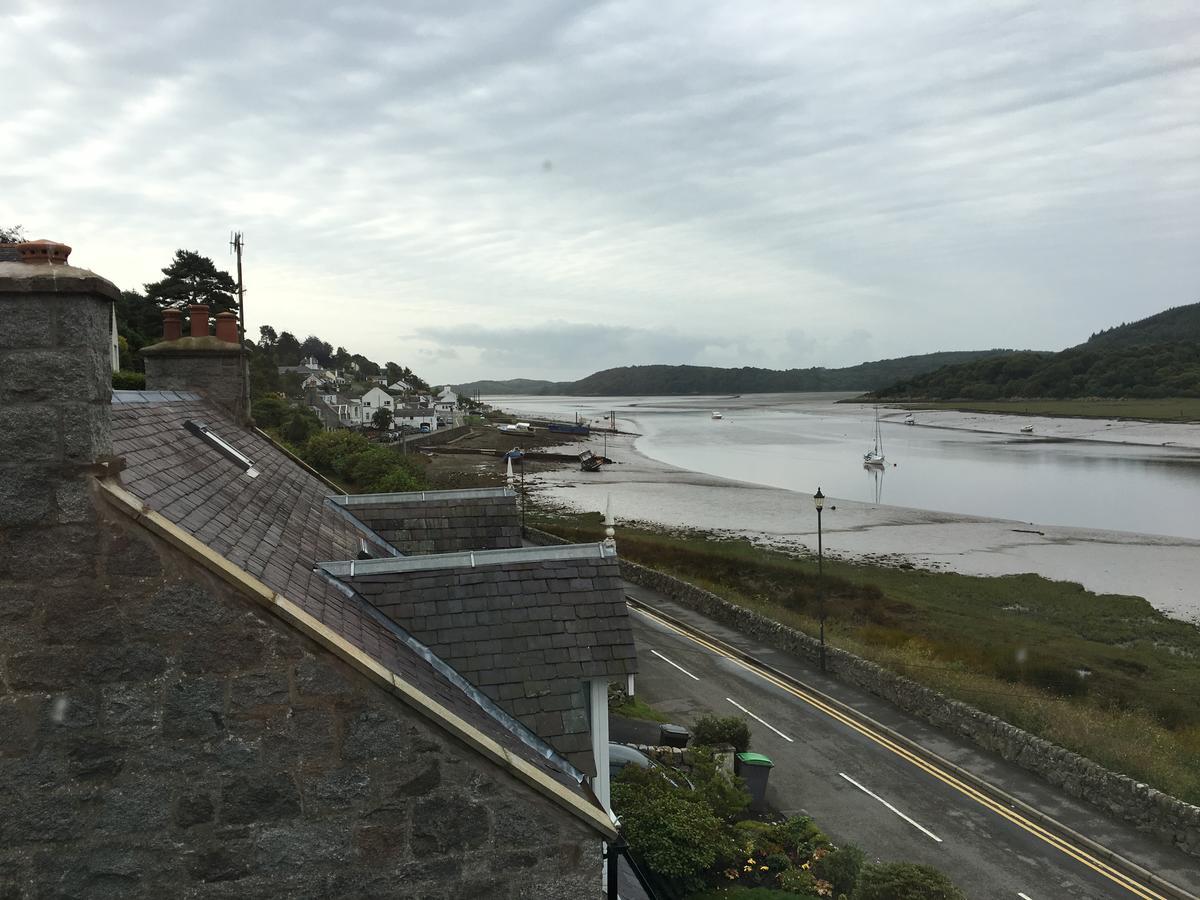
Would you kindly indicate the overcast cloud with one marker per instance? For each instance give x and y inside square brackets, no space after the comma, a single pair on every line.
[544,189]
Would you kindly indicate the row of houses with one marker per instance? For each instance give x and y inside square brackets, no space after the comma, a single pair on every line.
[421,412]
[225,677]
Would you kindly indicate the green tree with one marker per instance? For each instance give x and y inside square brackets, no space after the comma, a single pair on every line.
[301,425]
[315,347]
[192,278]
[267,337]
[12,235]
[270,412]
[904,881]
[382,418]
[139,322]
[287,349]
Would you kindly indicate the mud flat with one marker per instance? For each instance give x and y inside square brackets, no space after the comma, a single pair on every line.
[1164,570]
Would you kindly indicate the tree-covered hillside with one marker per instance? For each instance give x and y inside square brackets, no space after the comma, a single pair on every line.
[1156,357]
[640,380]
[1179,323]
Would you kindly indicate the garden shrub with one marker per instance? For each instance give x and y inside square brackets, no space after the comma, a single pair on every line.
[677,837]
[723,792]
[331,451]
[752,893]
[904,881]
[840,868]
[126,380]
[712,731]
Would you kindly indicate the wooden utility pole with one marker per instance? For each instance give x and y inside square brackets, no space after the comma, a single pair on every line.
[235,243]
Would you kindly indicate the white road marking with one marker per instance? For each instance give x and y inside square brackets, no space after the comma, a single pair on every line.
[757,719]
[676,665]
[1024,896]
[911,822]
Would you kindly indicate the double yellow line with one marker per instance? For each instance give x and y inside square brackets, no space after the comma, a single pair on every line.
[1077,853]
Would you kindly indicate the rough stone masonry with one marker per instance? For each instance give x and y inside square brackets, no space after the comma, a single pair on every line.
[161,735]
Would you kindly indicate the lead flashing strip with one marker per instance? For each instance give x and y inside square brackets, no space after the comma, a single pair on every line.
[518,729]
[293,615]
[466,559]
[360,527]
[422,496]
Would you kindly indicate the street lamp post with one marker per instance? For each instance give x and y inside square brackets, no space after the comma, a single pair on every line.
[819,503]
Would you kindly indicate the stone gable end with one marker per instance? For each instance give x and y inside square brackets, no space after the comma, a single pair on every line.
[163,736]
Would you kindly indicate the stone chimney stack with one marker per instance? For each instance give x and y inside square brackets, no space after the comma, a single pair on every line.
[55,393]
[214,366]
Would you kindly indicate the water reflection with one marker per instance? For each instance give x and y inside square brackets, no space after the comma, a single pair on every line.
[797,442]
[876,473]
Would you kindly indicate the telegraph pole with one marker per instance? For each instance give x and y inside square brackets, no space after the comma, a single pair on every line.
[235,244]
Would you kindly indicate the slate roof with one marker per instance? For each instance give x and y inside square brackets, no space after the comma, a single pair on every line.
[527,625]
[275,526]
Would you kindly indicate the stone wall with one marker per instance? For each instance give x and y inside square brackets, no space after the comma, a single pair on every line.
[1151,810]
[436,438]
[443,525]
[217,372]
[162,736]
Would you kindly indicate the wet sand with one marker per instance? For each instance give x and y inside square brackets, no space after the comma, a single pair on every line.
[1164,570]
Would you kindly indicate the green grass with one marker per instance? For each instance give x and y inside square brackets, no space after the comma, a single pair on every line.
[1184,409]
[635,708]
[1014,646]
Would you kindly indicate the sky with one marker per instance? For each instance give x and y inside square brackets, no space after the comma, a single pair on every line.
[546,189]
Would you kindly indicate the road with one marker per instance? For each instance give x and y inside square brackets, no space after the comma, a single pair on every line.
[865,789]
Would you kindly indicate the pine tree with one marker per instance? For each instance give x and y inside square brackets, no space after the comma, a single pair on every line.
[192,278]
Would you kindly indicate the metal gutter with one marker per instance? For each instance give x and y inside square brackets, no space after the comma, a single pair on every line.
[422,496]
[466,559]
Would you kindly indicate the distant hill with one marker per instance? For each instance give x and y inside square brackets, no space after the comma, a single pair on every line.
[643,380]
[1156,357]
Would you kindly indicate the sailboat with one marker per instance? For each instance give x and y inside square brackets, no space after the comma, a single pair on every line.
[874,456]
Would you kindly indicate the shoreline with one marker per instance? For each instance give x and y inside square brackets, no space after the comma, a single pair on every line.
[1161,568]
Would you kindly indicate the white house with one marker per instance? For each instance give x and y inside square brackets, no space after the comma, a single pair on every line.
[376,398]
[416,418]
[400,387]
[447,395]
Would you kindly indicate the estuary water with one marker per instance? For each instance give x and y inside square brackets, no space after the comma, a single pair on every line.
[1069,472]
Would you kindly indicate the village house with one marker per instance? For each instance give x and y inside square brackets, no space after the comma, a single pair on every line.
[223,677]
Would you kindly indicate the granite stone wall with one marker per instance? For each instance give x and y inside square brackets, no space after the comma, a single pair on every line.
[444,525]
[217,373]
[163,736]
[1167,817]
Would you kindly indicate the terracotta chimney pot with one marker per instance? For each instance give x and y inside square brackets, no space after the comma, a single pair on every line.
[44,253]
[172,324]
[199,319]
[227,328]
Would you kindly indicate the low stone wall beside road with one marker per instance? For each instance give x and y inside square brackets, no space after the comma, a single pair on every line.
[1150,810]
[435,438]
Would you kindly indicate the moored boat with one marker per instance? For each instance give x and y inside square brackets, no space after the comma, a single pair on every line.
[874,456]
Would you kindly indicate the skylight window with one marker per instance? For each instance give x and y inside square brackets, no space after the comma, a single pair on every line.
[226,449]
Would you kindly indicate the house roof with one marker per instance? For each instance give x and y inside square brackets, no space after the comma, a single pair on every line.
[527,625]
[275,527]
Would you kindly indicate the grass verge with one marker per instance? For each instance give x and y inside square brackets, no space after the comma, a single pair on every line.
[1107,676]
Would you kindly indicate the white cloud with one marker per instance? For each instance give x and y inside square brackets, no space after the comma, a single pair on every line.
[728,185]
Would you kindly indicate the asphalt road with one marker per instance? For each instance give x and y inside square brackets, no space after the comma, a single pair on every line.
[867,791]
